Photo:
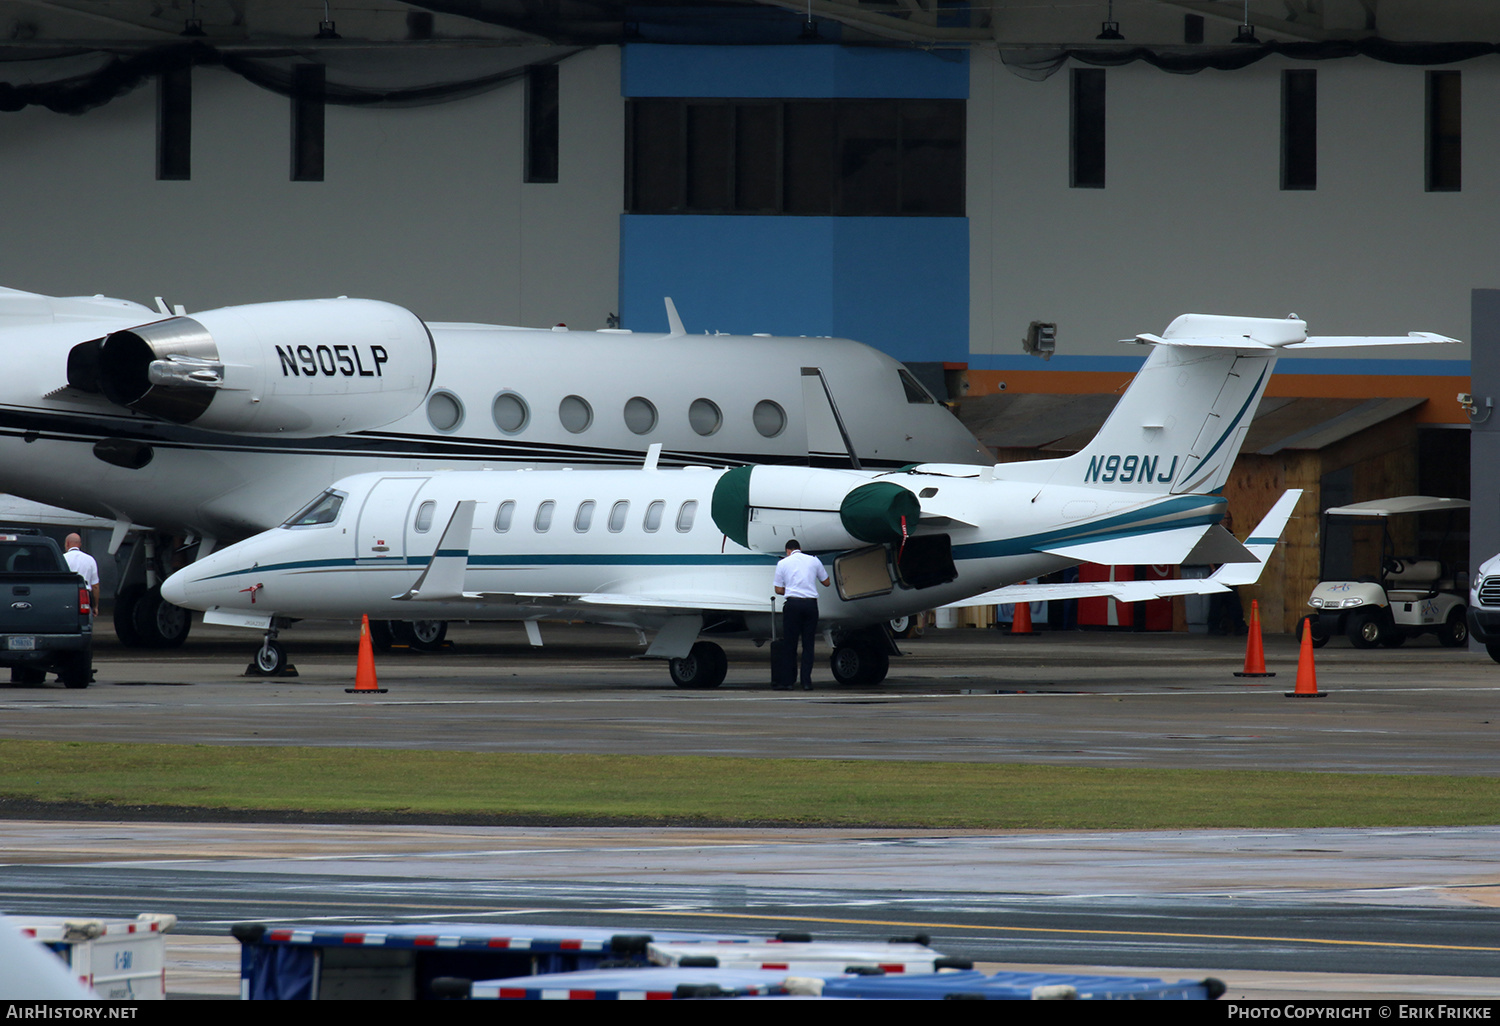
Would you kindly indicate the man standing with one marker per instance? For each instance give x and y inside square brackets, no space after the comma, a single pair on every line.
[84,565]
[797,577]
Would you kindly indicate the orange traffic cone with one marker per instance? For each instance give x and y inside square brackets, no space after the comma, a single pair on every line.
[1020,622]
[364,671]
[1307,677]
[1255,653]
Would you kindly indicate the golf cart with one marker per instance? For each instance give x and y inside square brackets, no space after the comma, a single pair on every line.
[1375,597]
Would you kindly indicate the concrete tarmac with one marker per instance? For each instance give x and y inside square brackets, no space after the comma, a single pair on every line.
[961,695]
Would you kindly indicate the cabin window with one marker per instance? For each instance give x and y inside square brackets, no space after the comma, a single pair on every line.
[654,513]
[686,515]
[444,411]
[640,415]
[927,493]
[769,418]
[915,393]
[321,512]
[544,516]
[705,417]
[617,515]
[575,413]
[510,412]
[504,515]
[424,516]
[585,516]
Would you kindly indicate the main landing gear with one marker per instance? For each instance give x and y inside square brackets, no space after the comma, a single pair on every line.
[705,666]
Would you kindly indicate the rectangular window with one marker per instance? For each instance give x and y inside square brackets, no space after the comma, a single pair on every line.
[813,157]
[174,125]
[1444,134]
[307,122]
[1299,129]
[1086,130]
[541,123]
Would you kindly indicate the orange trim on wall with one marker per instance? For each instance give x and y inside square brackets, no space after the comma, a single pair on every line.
[1439,390]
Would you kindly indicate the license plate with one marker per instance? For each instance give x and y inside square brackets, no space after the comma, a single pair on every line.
[21,643]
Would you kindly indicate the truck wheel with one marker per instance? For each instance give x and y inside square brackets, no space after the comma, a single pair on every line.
[1365,629]
[77,670]
[1455,633]
[27,676]
[1493,648]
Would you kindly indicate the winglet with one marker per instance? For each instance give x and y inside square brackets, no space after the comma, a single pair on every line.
[1261,543]
[444,577]
[674,323]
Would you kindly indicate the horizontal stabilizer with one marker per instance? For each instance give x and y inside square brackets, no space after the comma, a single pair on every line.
[1160,547]
[1215,342]
[1415,338]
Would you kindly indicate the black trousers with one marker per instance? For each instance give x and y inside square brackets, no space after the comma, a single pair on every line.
[799,621]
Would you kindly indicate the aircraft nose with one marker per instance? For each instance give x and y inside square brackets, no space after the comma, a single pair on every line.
[174,589]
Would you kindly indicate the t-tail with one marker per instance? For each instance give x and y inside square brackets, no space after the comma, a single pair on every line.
[1180,424]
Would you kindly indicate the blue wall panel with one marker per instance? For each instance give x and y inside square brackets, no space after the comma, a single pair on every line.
[808,72]
[900,284]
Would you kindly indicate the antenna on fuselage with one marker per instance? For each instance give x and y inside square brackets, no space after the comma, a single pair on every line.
[674,323]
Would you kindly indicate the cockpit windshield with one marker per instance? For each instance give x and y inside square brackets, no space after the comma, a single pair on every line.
[320,512]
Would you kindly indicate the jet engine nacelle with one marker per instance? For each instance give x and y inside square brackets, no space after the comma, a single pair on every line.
[763,507]
[301,368]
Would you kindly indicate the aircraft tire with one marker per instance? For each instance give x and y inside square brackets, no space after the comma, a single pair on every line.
[419,635]
[158,623]
[77,670]
[703,667]
[1455,633]
[126,602]
[1365,629]
[381,635]
[854,665]
[904,626]
[270,658]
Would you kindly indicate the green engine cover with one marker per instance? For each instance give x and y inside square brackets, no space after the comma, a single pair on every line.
[873,512]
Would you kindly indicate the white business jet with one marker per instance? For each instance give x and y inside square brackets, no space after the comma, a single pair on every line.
[188,432]
[690,553]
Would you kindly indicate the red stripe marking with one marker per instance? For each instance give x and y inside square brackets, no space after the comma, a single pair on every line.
[581,995]
[773,965]
[512,993]
[894,968]
[354,938]
[425,942]
[499,942]
[279,935]
[570,945]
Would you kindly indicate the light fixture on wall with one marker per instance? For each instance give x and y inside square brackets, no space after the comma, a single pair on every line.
[325,27]
[192,27]
[1247,30]
[1111,31]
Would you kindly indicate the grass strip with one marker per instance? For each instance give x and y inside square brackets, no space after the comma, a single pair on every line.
[650,790]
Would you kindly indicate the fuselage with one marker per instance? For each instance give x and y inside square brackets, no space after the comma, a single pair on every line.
[637,547]
[497,397]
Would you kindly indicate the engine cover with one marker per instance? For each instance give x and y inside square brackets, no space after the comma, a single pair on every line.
[762,508]
[302,368]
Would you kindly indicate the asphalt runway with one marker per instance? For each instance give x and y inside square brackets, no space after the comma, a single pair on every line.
[1090,699]
[1312,913]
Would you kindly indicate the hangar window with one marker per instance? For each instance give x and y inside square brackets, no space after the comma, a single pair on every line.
[844,157]
[575,413]
[654,512]
[686,515]
[444,411]
[640,415]
[307,122]
[704,416]
[543,522]
[504,515]
[321,512]
[510,412]
[769,418]
[617,514]
[1444,138]
[541,123]
[424,516]
[1299,129]
[1086,129]
[584,519]
[174,125]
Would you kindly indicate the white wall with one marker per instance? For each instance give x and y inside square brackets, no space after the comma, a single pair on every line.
[1193,219]
[422,206]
